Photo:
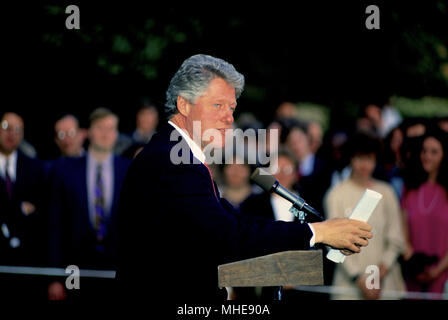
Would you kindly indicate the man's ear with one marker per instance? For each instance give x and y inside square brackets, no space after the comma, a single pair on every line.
[183,106]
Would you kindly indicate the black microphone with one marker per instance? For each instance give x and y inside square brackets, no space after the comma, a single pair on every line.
[268,183]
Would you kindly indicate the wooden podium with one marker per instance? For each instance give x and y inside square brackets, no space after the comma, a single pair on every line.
[288,268]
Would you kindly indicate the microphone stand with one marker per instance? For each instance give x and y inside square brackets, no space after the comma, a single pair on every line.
[297,203]
[278,294]
[299,214]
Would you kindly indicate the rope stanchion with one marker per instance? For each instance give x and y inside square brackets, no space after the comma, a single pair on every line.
[110,274]
[58,272]
[384,294]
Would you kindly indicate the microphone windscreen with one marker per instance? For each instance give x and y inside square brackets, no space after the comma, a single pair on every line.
[263,178]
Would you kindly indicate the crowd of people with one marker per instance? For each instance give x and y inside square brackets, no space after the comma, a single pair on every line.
[62,211]
[403,159]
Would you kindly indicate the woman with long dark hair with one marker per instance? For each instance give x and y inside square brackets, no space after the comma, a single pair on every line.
[425,204]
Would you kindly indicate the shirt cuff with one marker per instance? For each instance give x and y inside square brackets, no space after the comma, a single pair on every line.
[313,238]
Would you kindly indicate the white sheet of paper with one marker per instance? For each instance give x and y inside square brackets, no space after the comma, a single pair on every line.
[362,212]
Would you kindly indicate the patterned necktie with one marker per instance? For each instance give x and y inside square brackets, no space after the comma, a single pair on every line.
[8,180]
[211,177]
[99,205]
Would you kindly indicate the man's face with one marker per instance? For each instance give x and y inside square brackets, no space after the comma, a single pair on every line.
[11,132]
[431,155]
[147,120]
[298,143]
[214,109]
[236,175]
[363,165]
[287,173]
[103,133]
[69,138]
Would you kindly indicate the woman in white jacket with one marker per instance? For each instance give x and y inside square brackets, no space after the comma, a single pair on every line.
[388,242]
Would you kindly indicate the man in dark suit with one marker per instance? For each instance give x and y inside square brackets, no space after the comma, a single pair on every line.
[85,193]
[22,232]
[174,228]
[314,175]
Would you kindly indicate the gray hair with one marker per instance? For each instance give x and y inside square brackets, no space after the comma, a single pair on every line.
[194,76]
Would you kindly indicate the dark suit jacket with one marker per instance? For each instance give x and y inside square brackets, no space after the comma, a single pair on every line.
[72,235]
[174,232]
[258,205]
[28,228]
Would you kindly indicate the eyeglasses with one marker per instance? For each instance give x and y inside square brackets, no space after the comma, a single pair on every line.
[61,134]
[13,129]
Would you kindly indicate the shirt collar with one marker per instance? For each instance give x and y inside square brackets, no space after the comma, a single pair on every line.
[11,164]
[106,163]
[307,165]
[195,149]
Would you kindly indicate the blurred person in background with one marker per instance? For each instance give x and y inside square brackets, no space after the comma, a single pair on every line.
[391,117]
[236,185]
[379,119]
[393,164]
[314,176]
[388,243]
[442,123]
[146,121]
[252,149]
[315,134]
[413,131]
[69,137]
[25,147]
[286,109]
[370,120]
[22,231]
[271,205]
[425,206]
[339,162]
[84,200]
[280,128]
[415,127]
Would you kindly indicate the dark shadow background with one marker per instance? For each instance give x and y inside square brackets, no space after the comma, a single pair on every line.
[315,51]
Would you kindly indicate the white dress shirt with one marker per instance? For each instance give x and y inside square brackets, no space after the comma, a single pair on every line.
[12,165]
[195,149]
[281,207]
[307,165]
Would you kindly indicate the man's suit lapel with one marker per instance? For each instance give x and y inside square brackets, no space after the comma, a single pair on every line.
[120,168]
[167,130]
[20,175]
[82,187]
